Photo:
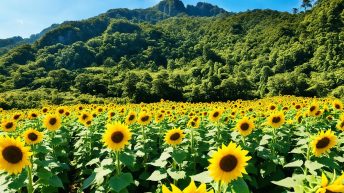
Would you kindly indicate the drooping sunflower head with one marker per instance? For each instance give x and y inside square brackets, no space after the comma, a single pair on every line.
[323,142]
[174,136]
[245,126]
[116,136]
[276,119]
[14,156]
[144,118]
[52,122]
[215,115]
[228,163]
[8,125]
[32,136]
[131,118]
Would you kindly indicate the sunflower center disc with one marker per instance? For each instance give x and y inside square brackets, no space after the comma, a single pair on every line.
[12,154]
[312,108]
[342,124]
[131,117]
[276,119]
[216,114]
[228,163]
[84,116]
[52,121]
[9,125]
[145,118]
[117,137]
[272,108]
[175,136]
[323,142]
[32,136]
[193,124]
[329,191]
[337,106]
[245,126]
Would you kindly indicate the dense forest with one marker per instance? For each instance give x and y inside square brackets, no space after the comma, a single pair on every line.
[180,53]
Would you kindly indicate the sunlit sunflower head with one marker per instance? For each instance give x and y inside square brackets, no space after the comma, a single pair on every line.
[111,114]
[215,115]
[14,156]
[191,188]
[228,163]
[32,115]
[116,136]
[323,142]
[60,110]
[159,117]
[32,136]
[144,118]
[194,123]
[174,136]
[313,108]
[245,126]
[8,125]
[131,118]
[87,123]
[17,116]
[84,117]
[272,107]
[340,125]
[45,110]
[52,122]
[337,104]
[276,119]
[336,187]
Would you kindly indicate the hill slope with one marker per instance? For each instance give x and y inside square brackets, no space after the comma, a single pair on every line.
[145,55]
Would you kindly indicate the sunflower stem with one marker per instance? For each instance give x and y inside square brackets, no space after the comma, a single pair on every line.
[307,159]
[30,185]
[118,163]
[219,187]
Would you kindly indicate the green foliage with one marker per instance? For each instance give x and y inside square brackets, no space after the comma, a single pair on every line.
[230,56]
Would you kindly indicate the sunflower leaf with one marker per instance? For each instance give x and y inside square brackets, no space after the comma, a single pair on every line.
[157,176]
[297,163]
[240,186]
[88,181]
[121,181]
[203,177]
[286,182]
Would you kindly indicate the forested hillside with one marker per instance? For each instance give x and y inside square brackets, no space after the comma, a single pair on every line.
[172,51]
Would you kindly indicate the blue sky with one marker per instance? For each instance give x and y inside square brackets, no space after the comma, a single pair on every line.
[26,17]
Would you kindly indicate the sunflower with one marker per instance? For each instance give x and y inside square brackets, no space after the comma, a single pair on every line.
[32,136]
[337,104]
[313,109]
[228,163]
[52,122]
[276,120]
[174,136]
[323,142]
[14,155]
[159,117]
[340,125]
[8,125]
[84,117]
[33,115]
[131,118]
[194,122]
[60,110]
[116,136]
[192,188]
[144,118]
[245,126]
[336,187]
[215,115]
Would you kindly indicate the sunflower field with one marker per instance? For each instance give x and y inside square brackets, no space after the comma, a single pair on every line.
[271,145]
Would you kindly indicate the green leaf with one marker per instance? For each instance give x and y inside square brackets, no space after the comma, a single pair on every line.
[44,173]
[127,159]
[18,182]
[179,156]
[203,177]
[286,182]
[240,186]
[55,181]
[313,166]
[297,163]
[157,176]
[119,182]
[88,181]
[93,161]
[101,173]
[176,175]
